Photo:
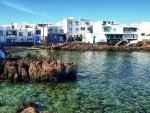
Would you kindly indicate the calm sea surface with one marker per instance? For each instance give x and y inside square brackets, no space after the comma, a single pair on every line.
[108,82]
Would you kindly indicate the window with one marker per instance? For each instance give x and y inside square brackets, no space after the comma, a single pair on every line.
[104,22]
[142,34]
[70,29]
[8,40]
[70,22]
[117,36]
[77,29]
[20,33]
[77,23]
[87,23]
[30,39]
[107,29]
[114,29]
[1,33]
[126,29]
[56,30]
[11,32]
[69,35]
[61,31]
[38,32]
[50,30]
[29,33]
[111,36]
[83,28]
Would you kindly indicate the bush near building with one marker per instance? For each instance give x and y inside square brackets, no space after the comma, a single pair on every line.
[139,43]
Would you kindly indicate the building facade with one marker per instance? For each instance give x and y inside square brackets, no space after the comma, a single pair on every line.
[75,28]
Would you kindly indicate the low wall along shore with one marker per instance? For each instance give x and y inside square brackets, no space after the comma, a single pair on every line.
[37,69]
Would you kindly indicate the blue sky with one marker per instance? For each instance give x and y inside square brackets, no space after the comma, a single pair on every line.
[39,11]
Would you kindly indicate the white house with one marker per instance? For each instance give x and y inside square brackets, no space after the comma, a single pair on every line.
[74,28]
[55,34]
[108,31]
[143,30]
[53,29]
[97,35]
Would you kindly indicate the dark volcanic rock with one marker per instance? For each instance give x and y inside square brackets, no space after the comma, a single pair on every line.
[80,46]
[71,70]
[39,69]
[30,107]
[2,65]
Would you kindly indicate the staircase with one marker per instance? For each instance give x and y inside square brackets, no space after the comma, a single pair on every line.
[119,43]
[124,40]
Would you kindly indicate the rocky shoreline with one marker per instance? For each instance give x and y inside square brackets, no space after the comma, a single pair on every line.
[81,46]
[95,47]
[33,68]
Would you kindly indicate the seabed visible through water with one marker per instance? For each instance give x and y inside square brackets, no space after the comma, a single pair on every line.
[108,82]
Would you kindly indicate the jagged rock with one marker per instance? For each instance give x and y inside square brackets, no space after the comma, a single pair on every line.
[11,71]
[30,107]
[2,64]
[26,105]
[29,110]
[80,46]
[39,69]
[71,70]
[23,71]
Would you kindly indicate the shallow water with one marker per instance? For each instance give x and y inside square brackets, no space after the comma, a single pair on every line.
[108,82]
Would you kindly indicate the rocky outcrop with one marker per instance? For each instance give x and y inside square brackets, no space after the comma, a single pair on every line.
[2,65]
[30,107]
[71,70]
[80,46]
[38,69]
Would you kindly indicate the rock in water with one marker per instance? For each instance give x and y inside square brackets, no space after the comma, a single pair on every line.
[29,110]
[30,107]
[2,65]
[71,70]
[39,69]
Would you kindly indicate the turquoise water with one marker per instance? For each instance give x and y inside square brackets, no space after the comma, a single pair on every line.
[108,82]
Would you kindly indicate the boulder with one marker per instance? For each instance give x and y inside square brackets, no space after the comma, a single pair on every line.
[30,107]
[71,70]
[29,110]
[39,69]
[2,65]
[11,71]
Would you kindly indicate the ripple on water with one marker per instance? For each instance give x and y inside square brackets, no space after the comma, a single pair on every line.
[111,82]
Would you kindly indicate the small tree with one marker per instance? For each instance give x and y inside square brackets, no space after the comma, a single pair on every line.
[142,34]
[81,37]
[139,43]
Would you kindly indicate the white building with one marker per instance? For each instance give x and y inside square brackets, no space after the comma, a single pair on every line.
[75,28]
[17,32]
[52,29]
[108,31]
[97,35]
[144,30]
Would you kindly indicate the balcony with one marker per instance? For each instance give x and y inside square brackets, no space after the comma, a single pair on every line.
[130,36]
[129,30]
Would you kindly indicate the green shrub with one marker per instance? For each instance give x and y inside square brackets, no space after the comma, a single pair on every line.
[139,43]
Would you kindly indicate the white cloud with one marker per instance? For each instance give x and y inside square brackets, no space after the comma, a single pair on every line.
[17,6]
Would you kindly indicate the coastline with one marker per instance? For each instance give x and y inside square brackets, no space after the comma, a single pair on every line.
[73,46]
